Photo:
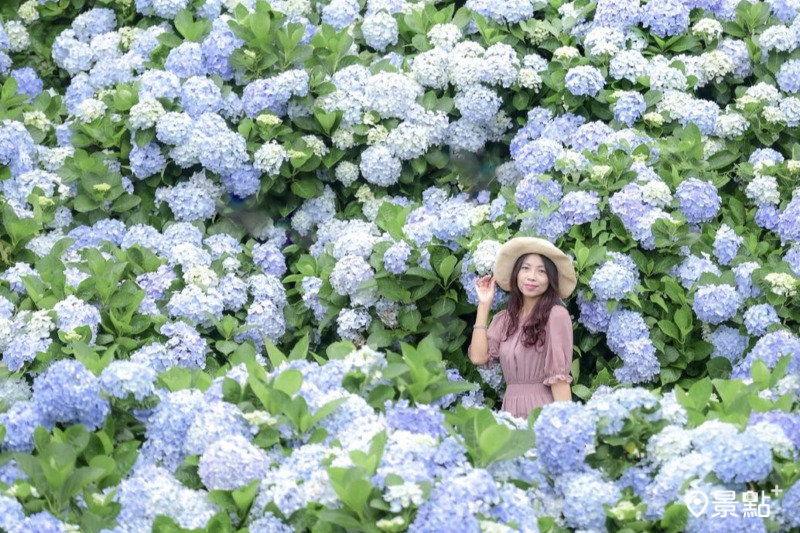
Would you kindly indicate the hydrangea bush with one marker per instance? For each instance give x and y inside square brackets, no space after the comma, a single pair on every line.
[239,241]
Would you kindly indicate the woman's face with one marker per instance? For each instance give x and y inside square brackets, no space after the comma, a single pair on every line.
[532,278]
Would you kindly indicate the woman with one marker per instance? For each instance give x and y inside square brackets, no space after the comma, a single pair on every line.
[532,338]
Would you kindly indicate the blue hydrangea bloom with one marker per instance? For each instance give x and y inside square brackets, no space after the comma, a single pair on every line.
[767,217]
[200,95]
[67,392]
[395,257]
[590,136]
[20,422]
[788,226]
[716,303]
[612,281]
[123,378]
[726,244]
[699,200]
[531,190]
[625,326]
[584,80]
[562,127]
[666,18]
[417,419]
[146,161]
[765,156]
[759,317]
[585,494]
[594,315]
[231,463]
[790,505]
[167,427]
[629,107]
[769,349]
[538,156]
[740,458]
[270,258]
[789,76]
[728,343]
[565,432]
[617,13]
[28,82]
[580,207]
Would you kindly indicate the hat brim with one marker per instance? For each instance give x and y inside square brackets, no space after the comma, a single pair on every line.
[511,250]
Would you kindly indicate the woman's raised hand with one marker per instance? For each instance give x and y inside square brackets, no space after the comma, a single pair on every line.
[485,289]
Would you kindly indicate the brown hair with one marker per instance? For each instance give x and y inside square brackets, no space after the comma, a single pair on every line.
[534,327]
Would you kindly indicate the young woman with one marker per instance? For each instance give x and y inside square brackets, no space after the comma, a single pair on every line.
[532,338]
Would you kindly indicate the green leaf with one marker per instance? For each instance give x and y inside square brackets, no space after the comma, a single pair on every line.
[446,267]
[300,349]
[669,329]
[289,381]
[676,515]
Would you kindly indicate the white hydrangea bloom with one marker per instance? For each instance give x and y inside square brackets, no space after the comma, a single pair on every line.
[18,38]
[707,29]
[146,113]
[90,109]
[485,255]
[763,190]
[270,157]
[445,36]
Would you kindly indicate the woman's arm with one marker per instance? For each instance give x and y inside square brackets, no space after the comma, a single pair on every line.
[479,348]
[561,391]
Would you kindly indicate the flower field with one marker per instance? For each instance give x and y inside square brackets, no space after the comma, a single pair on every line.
[239,242]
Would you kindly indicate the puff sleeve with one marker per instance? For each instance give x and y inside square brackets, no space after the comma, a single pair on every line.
[558,349]
[493,335]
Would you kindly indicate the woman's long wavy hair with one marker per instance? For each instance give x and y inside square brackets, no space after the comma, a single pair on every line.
[534,327]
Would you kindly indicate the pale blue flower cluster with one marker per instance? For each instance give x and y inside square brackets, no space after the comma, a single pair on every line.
[699,200]
[612,281]
[716,303]
[565,435]
[629,337]
[760,317]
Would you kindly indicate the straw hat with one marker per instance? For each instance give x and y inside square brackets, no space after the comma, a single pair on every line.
[511,250]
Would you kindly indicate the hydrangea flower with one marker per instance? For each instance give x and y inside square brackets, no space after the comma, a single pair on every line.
[716,303]
[565,434]
[759,317]
[584,80]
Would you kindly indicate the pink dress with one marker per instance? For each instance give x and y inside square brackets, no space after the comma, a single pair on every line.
[529,371]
